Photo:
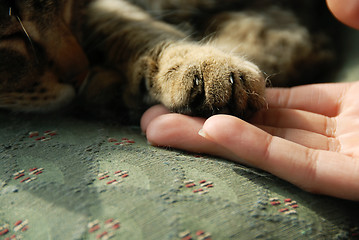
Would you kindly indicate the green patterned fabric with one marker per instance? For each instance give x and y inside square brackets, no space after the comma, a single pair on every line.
[156,200]
[80,192]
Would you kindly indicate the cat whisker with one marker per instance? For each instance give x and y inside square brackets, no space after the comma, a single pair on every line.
[28,37]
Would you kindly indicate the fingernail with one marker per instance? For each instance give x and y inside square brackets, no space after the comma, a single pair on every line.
[202,133]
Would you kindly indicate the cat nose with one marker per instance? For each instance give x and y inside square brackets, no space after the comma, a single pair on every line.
[73,69]
[70,63]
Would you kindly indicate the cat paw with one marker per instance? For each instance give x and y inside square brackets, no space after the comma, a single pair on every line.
[203,81]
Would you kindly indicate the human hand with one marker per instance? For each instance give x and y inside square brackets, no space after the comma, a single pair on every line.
[309,136]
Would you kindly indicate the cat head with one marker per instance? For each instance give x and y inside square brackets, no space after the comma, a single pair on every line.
[38,51]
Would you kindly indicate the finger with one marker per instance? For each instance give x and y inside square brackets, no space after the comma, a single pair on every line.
[313,170]
[304,138]
[298,119]
[346,11]
[318,98]
[150,114]
[181,132]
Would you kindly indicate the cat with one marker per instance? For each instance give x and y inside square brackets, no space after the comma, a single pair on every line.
[198,57]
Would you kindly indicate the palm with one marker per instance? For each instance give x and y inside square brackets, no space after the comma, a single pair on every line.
[347,131]
[310,137]
[317,116]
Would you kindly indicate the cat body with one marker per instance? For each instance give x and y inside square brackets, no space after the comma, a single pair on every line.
[195,57]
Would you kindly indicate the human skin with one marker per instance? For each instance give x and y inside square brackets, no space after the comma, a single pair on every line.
[309,135]
[346,11]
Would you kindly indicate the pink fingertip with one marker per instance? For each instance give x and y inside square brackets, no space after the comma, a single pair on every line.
[151,114]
